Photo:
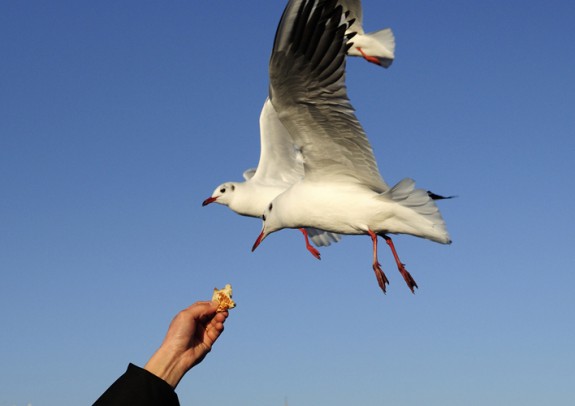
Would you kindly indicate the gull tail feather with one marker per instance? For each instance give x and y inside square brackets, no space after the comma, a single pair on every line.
[386,39]
[378,44]
[427,222]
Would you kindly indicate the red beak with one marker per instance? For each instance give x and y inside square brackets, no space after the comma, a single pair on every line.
[209,200]
[258,241]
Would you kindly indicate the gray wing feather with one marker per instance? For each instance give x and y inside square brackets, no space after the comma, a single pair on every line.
[307,90]
[322,238]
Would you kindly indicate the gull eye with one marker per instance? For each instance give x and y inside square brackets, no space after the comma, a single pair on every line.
[270,207]
[263,217]
[233,188]
[223,190]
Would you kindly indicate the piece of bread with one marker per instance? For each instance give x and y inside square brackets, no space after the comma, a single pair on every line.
[224,298]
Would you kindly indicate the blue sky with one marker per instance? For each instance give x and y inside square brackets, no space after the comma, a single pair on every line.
[120,118]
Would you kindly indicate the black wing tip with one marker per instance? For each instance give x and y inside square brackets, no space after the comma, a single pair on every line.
[439,197]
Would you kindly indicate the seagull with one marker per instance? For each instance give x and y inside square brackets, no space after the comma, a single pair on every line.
[376,47]
[281,164]
[342,190]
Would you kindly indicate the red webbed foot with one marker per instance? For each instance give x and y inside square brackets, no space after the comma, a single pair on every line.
[382,280]
[401,266]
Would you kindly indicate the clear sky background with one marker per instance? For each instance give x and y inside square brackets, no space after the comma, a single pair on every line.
[119,118]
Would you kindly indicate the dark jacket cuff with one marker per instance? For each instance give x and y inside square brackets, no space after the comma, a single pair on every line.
[141,387]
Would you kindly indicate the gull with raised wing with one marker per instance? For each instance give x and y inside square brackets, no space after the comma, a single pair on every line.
[342,190]
[279,167]
[280,163]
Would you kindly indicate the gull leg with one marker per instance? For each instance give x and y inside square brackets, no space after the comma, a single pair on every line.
[368,58]
[381,278]
[309,247]
[406,275]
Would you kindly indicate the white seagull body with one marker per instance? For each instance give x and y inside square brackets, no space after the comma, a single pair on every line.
[280,163]
[342,190]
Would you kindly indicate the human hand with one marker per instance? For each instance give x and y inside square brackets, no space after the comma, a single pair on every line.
[189,339]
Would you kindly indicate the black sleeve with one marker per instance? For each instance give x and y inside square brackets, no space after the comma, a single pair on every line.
[139,387]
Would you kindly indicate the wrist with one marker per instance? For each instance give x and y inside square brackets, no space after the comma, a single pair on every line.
[164,364]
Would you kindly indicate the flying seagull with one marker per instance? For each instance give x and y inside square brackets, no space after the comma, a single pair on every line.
[342,190]
[376,47]
[281,164]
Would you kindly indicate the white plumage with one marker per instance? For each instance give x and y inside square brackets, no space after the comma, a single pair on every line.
[342,190]
[280,164]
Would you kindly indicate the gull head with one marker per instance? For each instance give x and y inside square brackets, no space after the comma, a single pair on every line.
[223,194]
[271,224]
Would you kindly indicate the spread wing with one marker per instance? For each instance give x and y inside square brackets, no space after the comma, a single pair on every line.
[307,90]
[353,7]
[280,161]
